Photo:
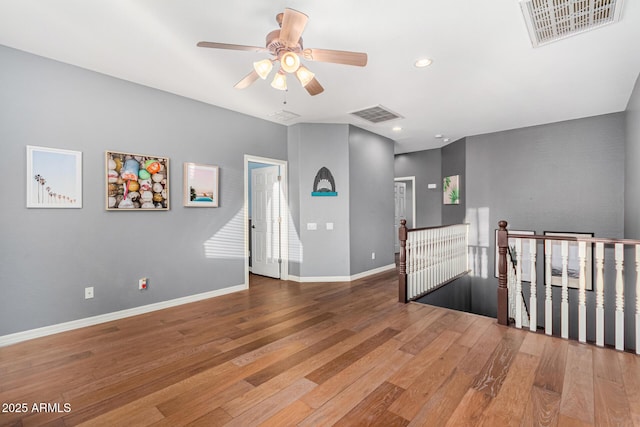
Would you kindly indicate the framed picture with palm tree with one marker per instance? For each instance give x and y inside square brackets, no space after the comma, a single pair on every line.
[451,190]
[54,178]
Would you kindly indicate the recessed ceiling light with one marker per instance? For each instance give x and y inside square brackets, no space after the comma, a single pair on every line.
[423,62]
[438,135]
[446,140]
[396,129]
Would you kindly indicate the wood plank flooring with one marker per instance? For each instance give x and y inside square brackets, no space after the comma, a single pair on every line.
[314,354]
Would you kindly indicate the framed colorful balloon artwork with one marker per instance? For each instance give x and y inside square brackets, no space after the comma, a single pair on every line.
[200,185]
[136,182]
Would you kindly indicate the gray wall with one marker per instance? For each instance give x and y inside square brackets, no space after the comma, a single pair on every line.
[426,166]
[632,168]
[631,203]
[454,163]
[293,172]
[320,252]
[48,256]
[371,200]
[565,176]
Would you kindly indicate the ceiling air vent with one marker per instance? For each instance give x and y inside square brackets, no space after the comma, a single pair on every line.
[377,114]
[552,20]
[284,115]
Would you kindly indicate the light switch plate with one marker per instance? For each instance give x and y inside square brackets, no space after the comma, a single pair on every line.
[312,226]
[329,226]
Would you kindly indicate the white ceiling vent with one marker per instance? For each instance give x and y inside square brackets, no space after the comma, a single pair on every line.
[377,114]
[552,20]
[284,115]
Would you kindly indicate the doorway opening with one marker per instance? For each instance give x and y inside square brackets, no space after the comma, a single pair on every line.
[265,217]
[405,205]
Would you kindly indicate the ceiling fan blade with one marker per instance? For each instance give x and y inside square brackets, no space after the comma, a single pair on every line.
[336,56]
[232,46]
[293,23]
[314,87]
[247,80]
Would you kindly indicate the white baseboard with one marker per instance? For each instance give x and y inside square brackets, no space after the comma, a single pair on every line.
[108,317]
[327,279]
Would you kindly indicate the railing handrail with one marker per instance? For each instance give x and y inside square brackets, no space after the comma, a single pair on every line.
[574,239]
[409,230]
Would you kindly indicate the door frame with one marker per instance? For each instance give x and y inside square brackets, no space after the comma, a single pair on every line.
[284,214]
[413,197]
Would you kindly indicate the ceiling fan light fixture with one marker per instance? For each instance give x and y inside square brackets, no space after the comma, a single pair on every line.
[263,68]
[304,75]
[279,81]
[290,62]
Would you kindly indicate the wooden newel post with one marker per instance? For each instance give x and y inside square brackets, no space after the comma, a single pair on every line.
[402,279]
[503,292]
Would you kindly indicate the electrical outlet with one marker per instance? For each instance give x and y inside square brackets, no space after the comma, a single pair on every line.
[88,292]
[142,284]
[373,255]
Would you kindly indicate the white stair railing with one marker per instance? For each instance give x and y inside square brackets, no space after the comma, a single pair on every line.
[431,257]
[584,245]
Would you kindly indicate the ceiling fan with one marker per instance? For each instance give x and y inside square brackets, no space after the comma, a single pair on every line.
[286,47]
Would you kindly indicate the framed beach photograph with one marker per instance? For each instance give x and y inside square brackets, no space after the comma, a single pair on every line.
[54,178]
[136,182]
[200,185]
[526,253]
[573,267]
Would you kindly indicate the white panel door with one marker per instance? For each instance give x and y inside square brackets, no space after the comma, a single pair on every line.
[400,195]
[265,221]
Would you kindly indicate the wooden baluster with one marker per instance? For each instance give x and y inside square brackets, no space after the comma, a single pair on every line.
[619,256]
[436,255]
[425,250]
[426,254]
[456,253]
[600,294]
[445,255]
[503,295]
[466,247]
[449,246]
[637,299]
[424,241]
[415,249]
[439,268]
[548,302]
[564,303]
[417,252]
[433,255]
[411,249]
[518,290]
[402,280]
[511,287]
[582,295]
[533,298]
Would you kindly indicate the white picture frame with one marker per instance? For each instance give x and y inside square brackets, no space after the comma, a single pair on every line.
[54,178]
[201,184]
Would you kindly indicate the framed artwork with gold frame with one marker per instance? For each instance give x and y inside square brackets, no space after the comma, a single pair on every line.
[136,182]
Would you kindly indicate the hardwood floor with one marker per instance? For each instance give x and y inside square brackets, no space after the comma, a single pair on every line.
[284,354]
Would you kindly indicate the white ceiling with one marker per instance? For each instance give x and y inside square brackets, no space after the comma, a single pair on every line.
[485,77]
